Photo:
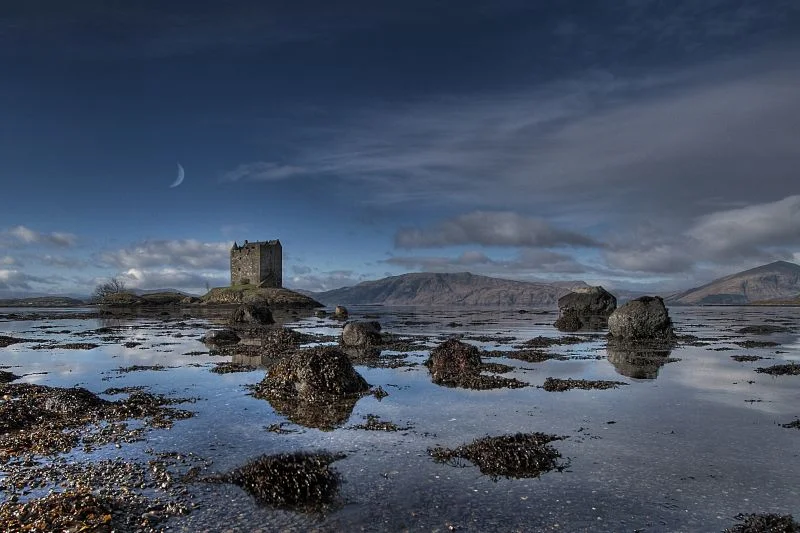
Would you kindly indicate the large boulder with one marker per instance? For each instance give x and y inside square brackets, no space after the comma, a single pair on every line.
[585,308]
[252,313]
[318,373]
[361,333]
[452,360]
[589,301]
[644,318]
[221,337]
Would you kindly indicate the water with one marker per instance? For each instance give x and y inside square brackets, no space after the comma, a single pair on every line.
[683,447]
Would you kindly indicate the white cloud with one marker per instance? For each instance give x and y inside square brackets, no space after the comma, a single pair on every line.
[526,264]
[15,279]
[172,278]
[8,261]
[324,281]
[25,235]
[489,229]
[171,253]
[263,171]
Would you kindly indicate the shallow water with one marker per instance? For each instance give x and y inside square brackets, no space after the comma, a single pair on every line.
[685,450]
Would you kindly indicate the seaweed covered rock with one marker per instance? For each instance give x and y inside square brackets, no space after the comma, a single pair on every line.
[644,318]
[523,455]
[318,372]
[252,313]
[221,337]
[361,333]
[765,523]
[7,377]
[589,301]
[452,360]
[456,364]
[585,308]
[568,321]
[298,481]
[340,313]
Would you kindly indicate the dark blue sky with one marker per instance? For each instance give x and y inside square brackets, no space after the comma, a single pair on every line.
[640,144]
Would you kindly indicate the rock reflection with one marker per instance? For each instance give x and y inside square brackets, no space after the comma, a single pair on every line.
[639,360]
[317,414]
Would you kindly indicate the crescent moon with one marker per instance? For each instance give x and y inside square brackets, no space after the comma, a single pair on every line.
[179,179]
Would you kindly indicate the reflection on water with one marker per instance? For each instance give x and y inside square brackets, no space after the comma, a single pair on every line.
[326,415]
[637,361]
[662,473]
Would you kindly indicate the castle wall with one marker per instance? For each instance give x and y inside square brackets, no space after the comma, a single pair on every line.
[260,263]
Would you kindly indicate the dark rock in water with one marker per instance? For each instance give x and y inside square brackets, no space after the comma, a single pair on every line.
[451,360]
[361,333]
[587,308]
[299,481]
[320,313]
[8,341]
[794,424]
[456,364]
[568,321]
[643,318]
[589,301]
[638,361]
[252,313]
[7,377]
[340,313]
[763,329]
[524,455]
[221,337]
[765,523]
[315,373]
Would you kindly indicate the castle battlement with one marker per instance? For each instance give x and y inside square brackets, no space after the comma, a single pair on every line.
[258,263]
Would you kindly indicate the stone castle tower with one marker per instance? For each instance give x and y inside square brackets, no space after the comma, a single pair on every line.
[257,263]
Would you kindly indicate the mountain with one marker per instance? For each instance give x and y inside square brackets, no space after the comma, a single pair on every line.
[463,288]
[42,301]
[774,282]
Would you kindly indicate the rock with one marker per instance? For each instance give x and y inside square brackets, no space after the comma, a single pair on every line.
[252,313]
[585,308]
[221,337]
[644,318]
[190,300]
[362,333]
[320,313]
[316,373]
[72,400]
[340,312]
[452,360]
[568,321]
[589,301]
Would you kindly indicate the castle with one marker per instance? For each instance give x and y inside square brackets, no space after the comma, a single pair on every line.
[257,263]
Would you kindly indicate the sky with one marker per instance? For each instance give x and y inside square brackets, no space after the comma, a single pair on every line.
[640,144]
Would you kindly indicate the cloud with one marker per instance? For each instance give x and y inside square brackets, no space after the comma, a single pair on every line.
[301,269]
[15,279]
[172,278]
[325,281]
[489,229]
[172,253]
[263,171]
[25,235]
[62,261]
[740,231]
[9,261]
[743,236]
[527,264]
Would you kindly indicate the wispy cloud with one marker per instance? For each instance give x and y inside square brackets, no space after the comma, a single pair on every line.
[263,171]
[172,278]
[7,260]
[318,281]
[527,264]
[18,280]
[170,253]
[24,235]
[490,229]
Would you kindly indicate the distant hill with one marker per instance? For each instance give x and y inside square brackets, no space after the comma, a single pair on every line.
[463,288]
[42,301]
[774,282]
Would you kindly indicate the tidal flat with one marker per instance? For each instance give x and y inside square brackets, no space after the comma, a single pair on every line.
[169,435]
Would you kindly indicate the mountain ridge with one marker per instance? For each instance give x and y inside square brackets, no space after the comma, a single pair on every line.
[776,281]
